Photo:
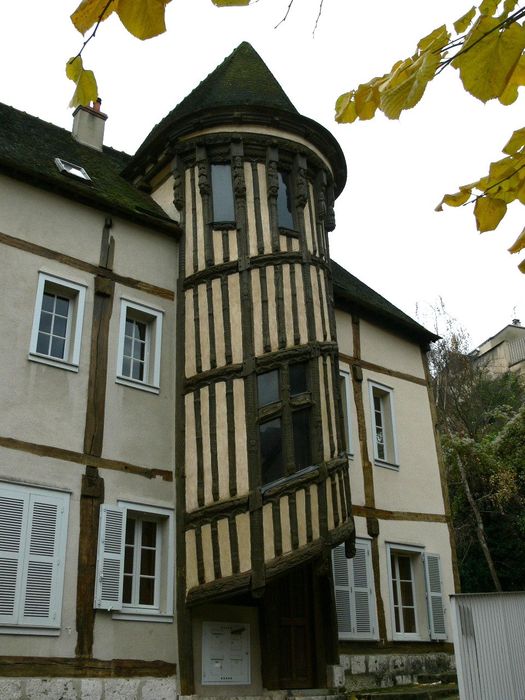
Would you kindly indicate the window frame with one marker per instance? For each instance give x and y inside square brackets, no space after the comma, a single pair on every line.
[284,408]
[386,396]
[30,495]
[344,374]
[76,293]
[153,319]
[412,551]
[162,611]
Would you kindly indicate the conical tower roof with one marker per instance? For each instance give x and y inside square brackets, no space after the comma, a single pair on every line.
[241,88]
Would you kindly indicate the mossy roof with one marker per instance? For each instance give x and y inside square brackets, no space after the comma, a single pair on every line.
[29,146]
[241,85]
[241,80]
[352,294]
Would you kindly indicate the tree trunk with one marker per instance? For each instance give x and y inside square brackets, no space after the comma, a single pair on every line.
[480,531]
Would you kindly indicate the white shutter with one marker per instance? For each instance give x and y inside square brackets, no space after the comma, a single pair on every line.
[342,591]
[44,560]
[436,612]
[363,591]
[13,515]
[110,561]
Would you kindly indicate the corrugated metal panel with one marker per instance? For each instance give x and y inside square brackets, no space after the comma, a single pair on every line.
[489,642]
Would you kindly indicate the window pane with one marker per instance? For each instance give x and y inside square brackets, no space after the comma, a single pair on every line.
[127,345]
[271,450]
[301,438]
[126,589]
[138,371]
[129,327]
[344,411]
[126,367]
[57,347]
[128,559]
[42,344]
[147,562]
[405,573]
[130,531]
[140,330]
[409,620]
[45,322]
[396,619]
[48,301]
[407,595]
[284,204]
[298,378]
[60,325]
[138,349]
[149,534]
[222,193]
[268,387]
[62,306]
[147,591]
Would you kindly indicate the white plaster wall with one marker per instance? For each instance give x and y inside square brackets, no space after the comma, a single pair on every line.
[40,403]
[416,485]
[163,195]
[384,348]
[345,341]
[43,472]
[139,426]
[50,220]
[128,639]
[145,254]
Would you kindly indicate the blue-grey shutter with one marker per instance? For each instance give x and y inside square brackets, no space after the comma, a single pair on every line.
[110,561]
[434,587]
[13,514]
[342,592]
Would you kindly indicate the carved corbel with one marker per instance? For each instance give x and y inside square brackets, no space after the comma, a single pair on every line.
[301,183]
[203,171]
[239,185]
[330,214]
[272,172]
[178,183]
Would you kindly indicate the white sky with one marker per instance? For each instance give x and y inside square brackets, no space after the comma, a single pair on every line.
[387,232]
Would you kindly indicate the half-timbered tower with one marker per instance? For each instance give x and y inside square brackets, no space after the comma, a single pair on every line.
[262,477]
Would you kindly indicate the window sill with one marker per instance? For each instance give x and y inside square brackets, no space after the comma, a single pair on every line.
[291,233]
[52,362]
[138,616]
[142,386]
[407,638]
[306,474]
[33,631]
[386,465]
[223,225]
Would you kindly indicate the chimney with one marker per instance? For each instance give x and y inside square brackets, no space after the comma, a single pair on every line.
[516,322]
[88,125]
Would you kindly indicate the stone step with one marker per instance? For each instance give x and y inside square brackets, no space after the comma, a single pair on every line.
[445,677]
[310,692]
[430,691]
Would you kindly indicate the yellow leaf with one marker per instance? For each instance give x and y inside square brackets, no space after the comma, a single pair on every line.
[489,211]
[488,58]
[488,7]
[144,19]
[455,200]
[508,7]
[230,3]
[366,101]
[345,111]
[86,86]
[516,80]
[518,244]
[74,68]
[89,13]
[435,40]
[516,142]
[461,24]
[521,266]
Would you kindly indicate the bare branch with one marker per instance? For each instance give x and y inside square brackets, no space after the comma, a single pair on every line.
[318,17]
[96,27]
[286,14]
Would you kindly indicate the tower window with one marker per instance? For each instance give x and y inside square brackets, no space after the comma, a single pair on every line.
[284,201]
[222,193]
[284,417]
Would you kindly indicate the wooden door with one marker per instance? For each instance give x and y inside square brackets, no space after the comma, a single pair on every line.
[288,632]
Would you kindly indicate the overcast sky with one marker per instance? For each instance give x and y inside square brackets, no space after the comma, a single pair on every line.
[387,232]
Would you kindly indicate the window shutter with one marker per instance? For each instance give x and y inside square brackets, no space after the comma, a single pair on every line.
[12,526]
[363,592]
[342,591]
[44,560]
[436,612]
[110,562]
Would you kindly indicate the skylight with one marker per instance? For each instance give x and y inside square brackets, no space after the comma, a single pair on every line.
[71,169]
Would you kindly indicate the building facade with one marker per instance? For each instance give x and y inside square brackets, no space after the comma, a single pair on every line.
[197,422]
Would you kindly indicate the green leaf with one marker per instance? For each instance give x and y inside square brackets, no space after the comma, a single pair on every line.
[489,211]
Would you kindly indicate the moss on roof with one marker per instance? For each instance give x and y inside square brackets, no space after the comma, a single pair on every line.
[350,291]
[29,146]
[241,80]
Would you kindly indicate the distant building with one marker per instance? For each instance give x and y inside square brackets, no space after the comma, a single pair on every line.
[204,418]
[503,352]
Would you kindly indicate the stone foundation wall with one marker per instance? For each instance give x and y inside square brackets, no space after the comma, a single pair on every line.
[87,689]
[387,670]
